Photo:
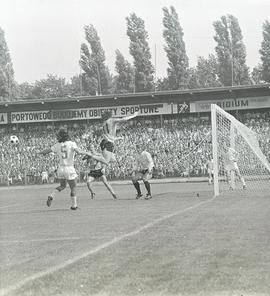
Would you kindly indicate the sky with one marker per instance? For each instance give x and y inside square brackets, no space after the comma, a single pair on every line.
[44,36]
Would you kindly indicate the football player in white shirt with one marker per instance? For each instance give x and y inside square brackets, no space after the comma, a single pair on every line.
[210,170]
[44,177]
[230,162]
[66,150]
[143,171]
[109,133]
[97,170]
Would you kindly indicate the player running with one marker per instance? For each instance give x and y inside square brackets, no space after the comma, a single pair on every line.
[66,150]
[143,171]
[109,134]
[230,161]
[97,170]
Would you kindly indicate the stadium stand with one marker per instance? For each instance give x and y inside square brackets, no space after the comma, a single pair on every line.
[168,138]
[168,144]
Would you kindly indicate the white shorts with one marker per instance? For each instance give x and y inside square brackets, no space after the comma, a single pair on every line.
[210,172]
[66,172]
[144,175]
[231,167]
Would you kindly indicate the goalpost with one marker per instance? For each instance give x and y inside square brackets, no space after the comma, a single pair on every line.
[239,163]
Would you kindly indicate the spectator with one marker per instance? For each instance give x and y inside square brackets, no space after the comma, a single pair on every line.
[168,145]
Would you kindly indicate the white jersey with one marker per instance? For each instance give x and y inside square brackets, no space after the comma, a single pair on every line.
[145,161]
[210,164]
[44,175]
[66,152]
[231,156]
[231,160]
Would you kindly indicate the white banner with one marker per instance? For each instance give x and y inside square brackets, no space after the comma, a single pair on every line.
[3,118]
[231,104]
[89,113]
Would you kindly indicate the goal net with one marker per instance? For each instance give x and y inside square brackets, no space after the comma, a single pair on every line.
[238,161]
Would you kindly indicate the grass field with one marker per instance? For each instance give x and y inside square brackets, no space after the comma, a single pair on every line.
[175,244]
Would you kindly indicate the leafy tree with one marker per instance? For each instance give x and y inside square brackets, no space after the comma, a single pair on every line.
[74,87]
[175,49]
[25,91]
[256,75]
[51,87]
[162,84]
[96,76]
[124,81]
[231,52]
[140,51]
[6,69]
[205,74]
[265,52]
[193,82]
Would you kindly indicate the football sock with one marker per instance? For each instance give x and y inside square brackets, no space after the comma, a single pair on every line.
[74,201]
[54,192]
[137,186]
[147,186]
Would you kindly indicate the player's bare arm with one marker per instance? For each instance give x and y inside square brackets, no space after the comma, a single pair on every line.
[97,157]
[45,151]
[80,152]
[126,118]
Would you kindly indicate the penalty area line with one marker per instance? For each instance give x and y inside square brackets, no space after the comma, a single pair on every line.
[99,248]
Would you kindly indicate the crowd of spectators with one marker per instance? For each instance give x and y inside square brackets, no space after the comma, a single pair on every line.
[180,147]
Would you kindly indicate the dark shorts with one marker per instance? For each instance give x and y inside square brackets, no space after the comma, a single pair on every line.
[144,171]
[105,144]
[95,173]
[86,157]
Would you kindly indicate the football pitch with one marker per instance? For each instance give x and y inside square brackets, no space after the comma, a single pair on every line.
[177,243]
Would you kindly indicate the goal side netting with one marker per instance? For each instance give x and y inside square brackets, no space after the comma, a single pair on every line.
[239,163]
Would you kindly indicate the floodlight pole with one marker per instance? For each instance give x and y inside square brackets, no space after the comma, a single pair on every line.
[155,68]
[231,48]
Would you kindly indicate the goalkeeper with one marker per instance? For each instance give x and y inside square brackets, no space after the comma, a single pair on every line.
[231,166]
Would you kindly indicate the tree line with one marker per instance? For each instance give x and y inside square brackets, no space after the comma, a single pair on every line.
[226,66]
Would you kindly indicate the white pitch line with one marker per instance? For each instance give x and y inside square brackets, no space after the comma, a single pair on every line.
[13,205]
[53,269]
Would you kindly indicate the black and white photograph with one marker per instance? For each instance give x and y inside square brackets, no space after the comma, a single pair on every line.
[135,148]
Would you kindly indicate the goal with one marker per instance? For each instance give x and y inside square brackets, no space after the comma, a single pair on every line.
[239,162]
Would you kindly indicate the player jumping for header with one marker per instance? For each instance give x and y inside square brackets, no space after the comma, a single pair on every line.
[109,134]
